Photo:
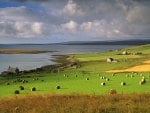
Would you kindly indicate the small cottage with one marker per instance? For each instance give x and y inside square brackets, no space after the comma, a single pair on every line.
[11,70]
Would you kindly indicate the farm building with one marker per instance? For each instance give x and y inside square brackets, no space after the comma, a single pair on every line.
[11,70]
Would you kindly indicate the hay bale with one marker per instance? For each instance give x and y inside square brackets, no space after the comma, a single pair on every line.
[98,75]
[87,78]
[113,74]
[103,84]
[103,77]
[107,79]
[132,76]
[57,87]
[21,87]
[16,92]
[112,92]
[141,82]
[33,89]
[23,81]
[123,83]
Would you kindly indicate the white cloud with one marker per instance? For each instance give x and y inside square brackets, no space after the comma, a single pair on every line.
[71,9]
[78,18]
[20,22]
[72,26]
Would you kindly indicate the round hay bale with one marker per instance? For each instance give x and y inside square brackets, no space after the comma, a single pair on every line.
[112,92]
[57,87]
[141,82]
[33,89]
[132,76]
[21,87]
[14,81]
[113,74]
[16,92]
[98,75]
[123,83]
[107,79]
[87,78]
[127,75]
[103,77]
[103,84]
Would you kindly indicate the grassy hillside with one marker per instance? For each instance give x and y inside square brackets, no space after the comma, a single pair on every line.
[88,78]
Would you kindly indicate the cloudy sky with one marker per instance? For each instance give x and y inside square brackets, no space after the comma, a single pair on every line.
[48,21]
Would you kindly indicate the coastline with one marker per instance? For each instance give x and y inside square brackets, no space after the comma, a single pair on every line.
[62,62]
[22,51]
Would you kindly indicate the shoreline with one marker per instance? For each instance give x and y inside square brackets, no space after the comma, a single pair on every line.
[22,51]
[62,62]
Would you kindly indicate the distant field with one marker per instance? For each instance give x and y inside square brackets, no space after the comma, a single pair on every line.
[88,78]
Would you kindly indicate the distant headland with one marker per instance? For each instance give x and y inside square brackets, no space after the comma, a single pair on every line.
[22,51]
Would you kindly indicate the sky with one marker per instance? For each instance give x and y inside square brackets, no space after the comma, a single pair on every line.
[51,21]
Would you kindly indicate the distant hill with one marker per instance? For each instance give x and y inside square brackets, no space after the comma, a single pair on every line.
[120,42]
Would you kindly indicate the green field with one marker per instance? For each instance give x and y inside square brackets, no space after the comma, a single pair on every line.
[93,67]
